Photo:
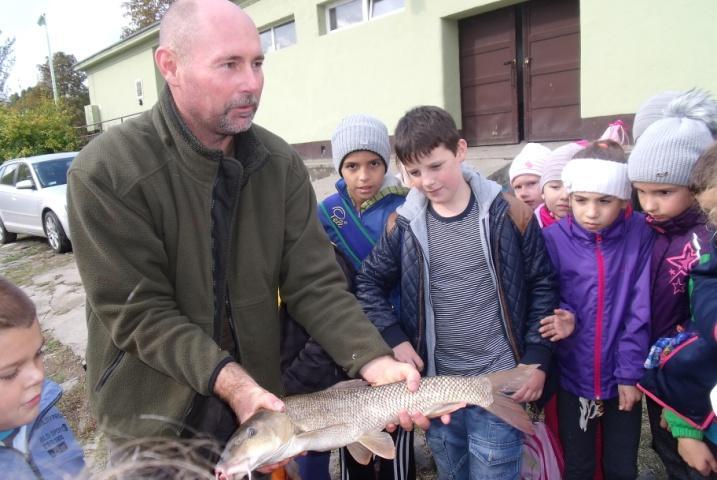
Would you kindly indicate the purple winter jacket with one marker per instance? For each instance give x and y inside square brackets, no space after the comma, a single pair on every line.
[605,281]
[678,245]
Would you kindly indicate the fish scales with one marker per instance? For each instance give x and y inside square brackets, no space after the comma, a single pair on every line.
[377,406]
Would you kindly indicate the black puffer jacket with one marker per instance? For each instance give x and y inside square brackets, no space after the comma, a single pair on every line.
[526,282]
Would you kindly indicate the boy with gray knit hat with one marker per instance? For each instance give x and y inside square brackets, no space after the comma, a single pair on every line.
[354,218]
[679,127]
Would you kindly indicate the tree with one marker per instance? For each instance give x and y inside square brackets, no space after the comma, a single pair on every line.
[143,13]
[7,60]
[44,128]
[70,85]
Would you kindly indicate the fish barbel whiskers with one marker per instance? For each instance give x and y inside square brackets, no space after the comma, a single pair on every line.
[353,414]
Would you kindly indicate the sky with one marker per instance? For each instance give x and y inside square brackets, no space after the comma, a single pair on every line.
[77,27]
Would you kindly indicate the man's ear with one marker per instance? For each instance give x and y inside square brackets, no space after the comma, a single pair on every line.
[167,64]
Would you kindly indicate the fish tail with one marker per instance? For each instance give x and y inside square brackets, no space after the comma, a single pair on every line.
[504,383]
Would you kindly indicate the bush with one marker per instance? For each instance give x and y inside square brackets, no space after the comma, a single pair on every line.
[37,129]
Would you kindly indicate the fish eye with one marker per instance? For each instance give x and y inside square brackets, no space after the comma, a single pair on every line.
[250,432]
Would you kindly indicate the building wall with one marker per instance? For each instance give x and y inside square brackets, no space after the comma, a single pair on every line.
[629,51]
[632,50]
[112,83]
[384,66]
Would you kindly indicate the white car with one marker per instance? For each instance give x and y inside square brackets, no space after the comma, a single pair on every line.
[33,199]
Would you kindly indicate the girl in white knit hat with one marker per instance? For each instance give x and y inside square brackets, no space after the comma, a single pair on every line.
[601,254]
[525,173]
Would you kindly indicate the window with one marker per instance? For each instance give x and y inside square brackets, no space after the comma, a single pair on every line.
[23,173]
[278,37]
[344,13]
[8,175]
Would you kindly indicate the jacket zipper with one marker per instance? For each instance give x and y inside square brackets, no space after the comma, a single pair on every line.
[599,313]
[105,376]
[421,300]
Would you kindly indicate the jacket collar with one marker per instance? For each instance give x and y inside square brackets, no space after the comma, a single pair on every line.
[195,156]
[681,223]
[483,189]
[615,231]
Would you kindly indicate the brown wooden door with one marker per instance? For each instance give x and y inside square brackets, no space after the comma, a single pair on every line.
[551,69]
[489,93]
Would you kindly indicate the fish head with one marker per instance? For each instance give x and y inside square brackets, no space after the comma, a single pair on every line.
[261,440]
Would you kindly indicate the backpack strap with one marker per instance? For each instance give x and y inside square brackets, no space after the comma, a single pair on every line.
[519,212]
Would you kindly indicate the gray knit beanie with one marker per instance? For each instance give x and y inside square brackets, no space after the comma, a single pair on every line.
[360,132]
[556,161]
[652,110]
[669,147]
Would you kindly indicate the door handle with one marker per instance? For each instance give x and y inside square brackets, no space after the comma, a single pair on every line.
[526,61]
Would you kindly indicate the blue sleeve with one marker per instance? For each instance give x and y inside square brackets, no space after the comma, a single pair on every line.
[379,274]
[703,294]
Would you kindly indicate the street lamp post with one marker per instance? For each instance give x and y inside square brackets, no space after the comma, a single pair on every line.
[43,22]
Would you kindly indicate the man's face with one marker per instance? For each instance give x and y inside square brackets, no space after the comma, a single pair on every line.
[595,211]
[220,79]
[527,188]
[21,375]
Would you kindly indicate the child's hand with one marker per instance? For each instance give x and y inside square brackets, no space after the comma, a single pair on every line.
[629,396]
[697,455]
[404,352]
[532,389]
[558,326]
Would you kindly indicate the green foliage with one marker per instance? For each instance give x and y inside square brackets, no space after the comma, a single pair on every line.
[36,129]
[143,13]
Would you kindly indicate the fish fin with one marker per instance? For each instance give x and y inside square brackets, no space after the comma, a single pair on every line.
[356,383]
[440,409]
[380,443]
[510,381]
[360,453]
[504,407]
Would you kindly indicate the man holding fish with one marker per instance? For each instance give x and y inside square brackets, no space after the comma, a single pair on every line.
[186,222]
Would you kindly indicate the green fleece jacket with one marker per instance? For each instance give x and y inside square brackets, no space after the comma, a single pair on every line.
[139,202]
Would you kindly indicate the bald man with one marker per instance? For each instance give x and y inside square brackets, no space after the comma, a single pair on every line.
[186,221]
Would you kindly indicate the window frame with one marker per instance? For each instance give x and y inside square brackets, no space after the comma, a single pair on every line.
[13,167]
[272,27]
[367,15]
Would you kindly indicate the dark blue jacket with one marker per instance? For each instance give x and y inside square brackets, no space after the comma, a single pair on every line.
[685,377]
[519,264]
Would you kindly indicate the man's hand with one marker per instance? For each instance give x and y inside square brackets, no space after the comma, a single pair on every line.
[383,370]
[532,389]
[243,394]
[559,326]
[404,352]
[697,455]
[629,396]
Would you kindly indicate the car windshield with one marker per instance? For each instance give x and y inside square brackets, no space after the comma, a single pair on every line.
[53,172]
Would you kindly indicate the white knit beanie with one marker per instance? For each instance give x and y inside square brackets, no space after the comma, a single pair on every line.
[592,175]
[556,161]
[529,161]
[670,146]
[360,132]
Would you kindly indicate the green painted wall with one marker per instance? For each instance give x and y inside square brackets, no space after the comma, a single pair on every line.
[384,66]
[112,83]
[634,49]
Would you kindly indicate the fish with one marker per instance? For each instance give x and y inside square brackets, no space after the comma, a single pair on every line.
[354,414]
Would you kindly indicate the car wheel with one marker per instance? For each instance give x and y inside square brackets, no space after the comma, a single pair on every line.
[56,236]
[5,236]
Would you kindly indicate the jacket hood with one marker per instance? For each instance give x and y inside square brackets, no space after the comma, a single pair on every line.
[483,189]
